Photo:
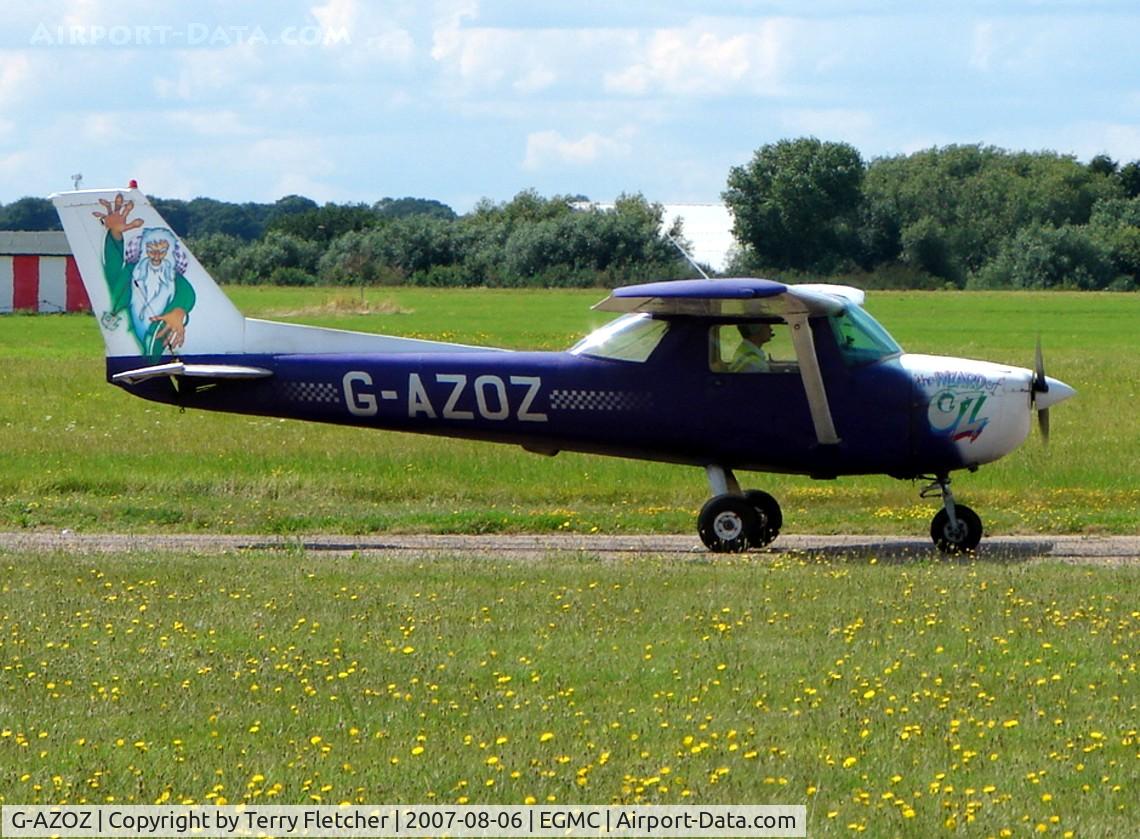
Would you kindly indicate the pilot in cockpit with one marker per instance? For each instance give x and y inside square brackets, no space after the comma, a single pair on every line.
[750,356]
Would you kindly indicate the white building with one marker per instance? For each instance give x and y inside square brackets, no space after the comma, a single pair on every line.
[707,227]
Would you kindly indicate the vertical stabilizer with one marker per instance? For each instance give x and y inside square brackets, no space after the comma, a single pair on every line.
[151,297]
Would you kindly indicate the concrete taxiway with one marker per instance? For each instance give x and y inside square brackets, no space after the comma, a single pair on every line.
[1092,550]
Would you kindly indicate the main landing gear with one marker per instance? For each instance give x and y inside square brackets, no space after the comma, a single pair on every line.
[955,528]
[733,521]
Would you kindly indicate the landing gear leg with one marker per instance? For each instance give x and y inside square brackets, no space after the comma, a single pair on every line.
[733,521]
[955,528]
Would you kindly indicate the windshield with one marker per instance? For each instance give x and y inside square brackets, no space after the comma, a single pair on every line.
[629,338]
[861,339]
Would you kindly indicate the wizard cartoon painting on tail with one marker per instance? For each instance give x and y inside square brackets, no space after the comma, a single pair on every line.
[146,278]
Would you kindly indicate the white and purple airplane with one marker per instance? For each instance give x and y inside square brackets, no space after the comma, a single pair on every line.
[724,374]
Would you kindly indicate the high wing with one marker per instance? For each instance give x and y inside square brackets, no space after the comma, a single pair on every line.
[752,298]
[735,297]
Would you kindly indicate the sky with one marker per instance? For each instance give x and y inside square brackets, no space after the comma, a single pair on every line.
[463,100]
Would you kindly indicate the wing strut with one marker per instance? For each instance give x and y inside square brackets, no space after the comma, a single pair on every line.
[812,379]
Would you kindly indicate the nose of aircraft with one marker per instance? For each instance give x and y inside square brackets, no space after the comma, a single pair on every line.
[1055,391]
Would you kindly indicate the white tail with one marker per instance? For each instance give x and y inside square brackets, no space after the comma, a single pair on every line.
[150,295]
[153,299]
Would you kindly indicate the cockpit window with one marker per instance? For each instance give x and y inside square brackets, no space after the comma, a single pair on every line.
[861,339]
[752,346]
[629,338]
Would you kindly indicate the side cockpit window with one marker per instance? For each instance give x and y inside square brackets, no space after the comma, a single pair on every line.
[751,347]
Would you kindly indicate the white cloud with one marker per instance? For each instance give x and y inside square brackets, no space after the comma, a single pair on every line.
[355,30]
[450,14]
[1040,48]
[170,175]
[525,60]
[12,166]
[535,80]
[479,56]
[396,45]
[336,14]
[707,57]
[984,36]
[240,170]
[199,74]
[101,128]
[15,72]
[550,148]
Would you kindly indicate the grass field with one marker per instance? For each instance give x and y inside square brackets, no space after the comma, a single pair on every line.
[982,699]
[975,698]
[80,454]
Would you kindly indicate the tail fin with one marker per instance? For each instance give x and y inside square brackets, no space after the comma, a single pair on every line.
[152,298]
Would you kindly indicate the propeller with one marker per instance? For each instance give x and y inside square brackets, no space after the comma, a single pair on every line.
[1040,385]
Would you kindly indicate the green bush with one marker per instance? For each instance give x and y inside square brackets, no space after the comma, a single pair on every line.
[1038,257]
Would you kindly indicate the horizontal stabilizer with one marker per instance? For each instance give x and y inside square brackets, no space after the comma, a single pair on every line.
[200,371]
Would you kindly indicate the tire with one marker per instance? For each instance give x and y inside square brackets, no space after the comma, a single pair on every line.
[725,523]
[962,539]
[769,518]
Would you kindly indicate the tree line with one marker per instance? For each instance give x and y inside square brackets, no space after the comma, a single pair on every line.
[961,216]
[530,240]
[967,216]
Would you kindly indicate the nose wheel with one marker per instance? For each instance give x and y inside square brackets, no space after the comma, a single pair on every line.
[733,521]
[955,528]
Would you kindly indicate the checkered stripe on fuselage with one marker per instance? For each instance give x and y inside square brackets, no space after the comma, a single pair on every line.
[312,392]
[599,400]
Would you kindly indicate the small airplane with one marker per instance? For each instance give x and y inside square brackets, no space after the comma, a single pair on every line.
[722,374]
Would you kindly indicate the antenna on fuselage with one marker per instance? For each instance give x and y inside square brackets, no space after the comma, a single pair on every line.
[687,256]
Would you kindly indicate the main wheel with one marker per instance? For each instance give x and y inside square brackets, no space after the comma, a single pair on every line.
[725,523]
[960,539]
[769,518]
